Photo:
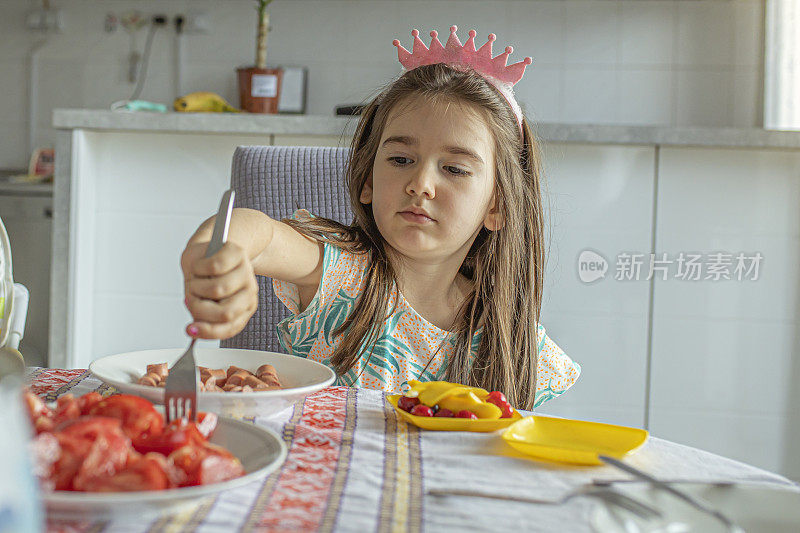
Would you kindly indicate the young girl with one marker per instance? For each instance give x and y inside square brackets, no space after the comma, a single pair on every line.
[440,274]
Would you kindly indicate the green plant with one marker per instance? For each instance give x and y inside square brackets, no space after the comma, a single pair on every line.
[261,36]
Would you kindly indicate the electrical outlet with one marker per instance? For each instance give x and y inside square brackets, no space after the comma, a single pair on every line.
[44,20]
[196,22]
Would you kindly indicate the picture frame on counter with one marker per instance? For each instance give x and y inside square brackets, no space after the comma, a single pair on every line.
[294,88]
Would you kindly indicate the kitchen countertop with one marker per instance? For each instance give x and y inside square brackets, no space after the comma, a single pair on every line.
[227,123]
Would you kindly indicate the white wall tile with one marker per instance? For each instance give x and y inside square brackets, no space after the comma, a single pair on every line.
[214,77]
[326,87]
[364,82]
[591,33]
[590,95]
[705,33]
[483,17]
[748,32]
[704,97]
[379,23]
[13,87]
[747,98]
[539,93]
[67,92]
[540,26]
[13,145]
[647,32]
[237,22]
[645,97]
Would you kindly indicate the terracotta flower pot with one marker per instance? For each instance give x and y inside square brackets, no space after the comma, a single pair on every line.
[259,89]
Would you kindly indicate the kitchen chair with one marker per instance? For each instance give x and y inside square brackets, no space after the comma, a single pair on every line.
[13,311]
[278,180]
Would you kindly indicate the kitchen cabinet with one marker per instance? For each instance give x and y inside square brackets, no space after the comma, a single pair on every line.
[726,352]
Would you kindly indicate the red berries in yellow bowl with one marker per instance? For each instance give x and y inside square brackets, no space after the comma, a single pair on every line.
[445,406]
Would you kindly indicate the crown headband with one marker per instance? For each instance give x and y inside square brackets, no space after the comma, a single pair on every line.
[494,70]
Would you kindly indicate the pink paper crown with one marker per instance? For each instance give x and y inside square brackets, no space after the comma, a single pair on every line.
[495,70]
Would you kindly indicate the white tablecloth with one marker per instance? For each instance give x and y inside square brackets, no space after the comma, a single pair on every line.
[353,466]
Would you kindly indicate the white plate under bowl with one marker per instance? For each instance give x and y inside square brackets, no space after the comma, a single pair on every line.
[755,508]
[298,375]
[259,450]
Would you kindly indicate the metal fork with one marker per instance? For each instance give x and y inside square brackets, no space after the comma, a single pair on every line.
[180,391]
[606,494]
[694,501]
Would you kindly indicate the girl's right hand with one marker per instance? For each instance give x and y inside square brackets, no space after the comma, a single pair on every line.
[221,290]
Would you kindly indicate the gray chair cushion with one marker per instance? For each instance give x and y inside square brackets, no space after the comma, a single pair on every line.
[278,180]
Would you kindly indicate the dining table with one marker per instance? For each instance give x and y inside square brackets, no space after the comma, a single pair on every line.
[354,465]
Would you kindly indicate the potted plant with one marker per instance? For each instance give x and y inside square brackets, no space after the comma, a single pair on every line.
[259,86]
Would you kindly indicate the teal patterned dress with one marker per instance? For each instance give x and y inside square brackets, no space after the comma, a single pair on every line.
[406,342]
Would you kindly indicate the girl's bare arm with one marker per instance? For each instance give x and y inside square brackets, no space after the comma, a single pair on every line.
[274,249]
[221,291]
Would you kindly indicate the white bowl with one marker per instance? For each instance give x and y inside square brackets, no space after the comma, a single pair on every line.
[755,508]
[259,450]
[298,375]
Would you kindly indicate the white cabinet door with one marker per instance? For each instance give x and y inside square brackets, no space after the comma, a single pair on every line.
[600,199]
[140,198]
[726,353]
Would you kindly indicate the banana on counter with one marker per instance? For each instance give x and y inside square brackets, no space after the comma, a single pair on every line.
[203,102]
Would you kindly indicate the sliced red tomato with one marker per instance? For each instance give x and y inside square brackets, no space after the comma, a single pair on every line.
[207,423]
[219,465]
[138,416]
[87,428]
[66,409]
[68,464]
[206,464]
[88,400]
[147,473]
[187,459]
[107,455]
[90,446]
[176,434]
[40,415]
[36,407]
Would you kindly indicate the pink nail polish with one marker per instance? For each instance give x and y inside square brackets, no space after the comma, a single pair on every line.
[193,331]
[186,301]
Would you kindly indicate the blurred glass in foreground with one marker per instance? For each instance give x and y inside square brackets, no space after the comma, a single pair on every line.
[20,506]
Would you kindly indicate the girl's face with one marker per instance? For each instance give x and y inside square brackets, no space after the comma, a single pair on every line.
[432,184]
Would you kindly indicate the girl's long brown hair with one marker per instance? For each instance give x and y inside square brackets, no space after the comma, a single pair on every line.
[505,266]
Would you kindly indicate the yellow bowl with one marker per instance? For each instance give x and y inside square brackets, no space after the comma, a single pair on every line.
[572,441]
[453,424]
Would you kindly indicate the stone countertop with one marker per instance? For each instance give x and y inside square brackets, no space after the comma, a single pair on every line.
[232,123]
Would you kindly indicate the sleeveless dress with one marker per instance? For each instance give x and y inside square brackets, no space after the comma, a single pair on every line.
[406,341]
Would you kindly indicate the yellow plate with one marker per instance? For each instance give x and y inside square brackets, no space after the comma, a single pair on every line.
[572,441]
[453,424]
